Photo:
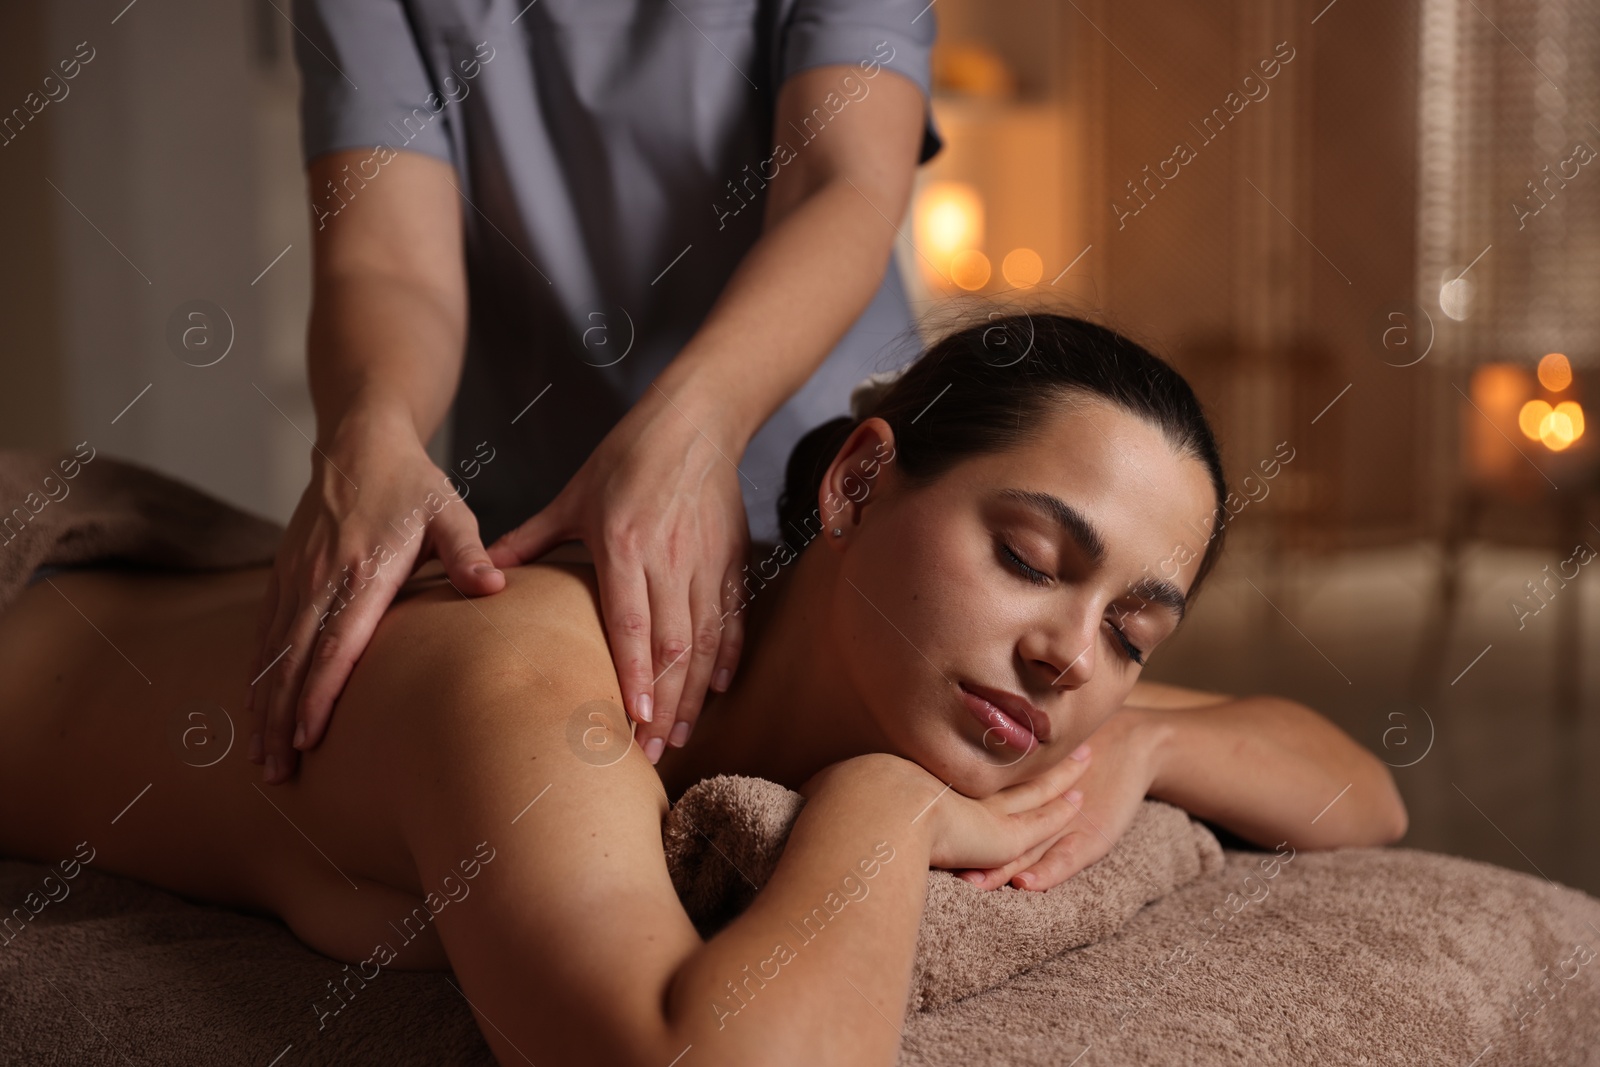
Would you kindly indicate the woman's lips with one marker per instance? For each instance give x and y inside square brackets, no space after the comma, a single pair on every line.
[1017,734]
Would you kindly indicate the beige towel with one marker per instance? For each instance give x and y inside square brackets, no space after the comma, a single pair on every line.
[724,837]
[1358,956]
[84,507]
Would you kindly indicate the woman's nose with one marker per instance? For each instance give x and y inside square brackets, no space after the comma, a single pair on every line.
[1062,653]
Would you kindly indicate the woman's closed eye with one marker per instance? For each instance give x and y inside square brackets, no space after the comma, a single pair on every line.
[1128,648]
[1038,577]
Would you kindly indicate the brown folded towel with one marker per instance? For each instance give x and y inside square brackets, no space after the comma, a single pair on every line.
[115,972]
[1351,956]
[83,507]
[724,837]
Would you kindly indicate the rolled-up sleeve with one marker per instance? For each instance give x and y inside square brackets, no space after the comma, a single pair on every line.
[363,80]
[894,34]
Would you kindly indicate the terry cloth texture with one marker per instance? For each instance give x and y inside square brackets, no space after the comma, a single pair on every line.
[81,508]
[724,837]
[1174,950]
[1158,954]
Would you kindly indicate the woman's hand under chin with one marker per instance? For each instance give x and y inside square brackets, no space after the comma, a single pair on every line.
[1017,821]
[1125,749]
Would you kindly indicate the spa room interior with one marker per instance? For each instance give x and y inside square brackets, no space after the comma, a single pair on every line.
[1367,233]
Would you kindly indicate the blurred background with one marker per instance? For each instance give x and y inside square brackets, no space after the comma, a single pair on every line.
[1369,232]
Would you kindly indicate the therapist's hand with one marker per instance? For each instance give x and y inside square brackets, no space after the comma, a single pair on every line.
[659,505]
[344,555]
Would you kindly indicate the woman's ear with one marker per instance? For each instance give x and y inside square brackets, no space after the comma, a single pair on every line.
[860,473]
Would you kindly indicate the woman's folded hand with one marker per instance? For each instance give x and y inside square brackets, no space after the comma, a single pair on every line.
[1003,828]
[1112,789]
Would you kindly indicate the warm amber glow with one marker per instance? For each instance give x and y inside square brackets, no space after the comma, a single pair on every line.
[1531,418]
[1574,413]
[971,69]
[1499,388]
[970,269]
[1499,410]
[1555,373]
[949,218]
[1022,267]
[1555,430]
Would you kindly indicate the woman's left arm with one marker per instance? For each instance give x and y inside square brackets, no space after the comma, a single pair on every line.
[1271,770]
[659,501]
[1263,767]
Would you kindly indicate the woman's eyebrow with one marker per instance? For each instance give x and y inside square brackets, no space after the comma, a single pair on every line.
[1088,539]
[1161,592]
[1070,519]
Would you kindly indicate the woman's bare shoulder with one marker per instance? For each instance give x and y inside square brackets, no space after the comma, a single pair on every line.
[549,603]
[506,664]
[490,695]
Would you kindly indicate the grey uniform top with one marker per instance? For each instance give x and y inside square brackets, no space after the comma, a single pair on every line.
[611,156]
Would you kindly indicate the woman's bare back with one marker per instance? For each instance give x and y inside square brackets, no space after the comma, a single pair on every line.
[121,725]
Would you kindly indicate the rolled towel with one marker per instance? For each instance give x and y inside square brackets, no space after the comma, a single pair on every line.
[724,836]
[84,508]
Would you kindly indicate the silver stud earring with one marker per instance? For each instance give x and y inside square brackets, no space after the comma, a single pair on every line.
[838,532]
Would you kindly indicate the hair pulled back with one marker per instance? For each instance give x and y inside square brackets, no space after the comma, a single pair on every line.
[987,388]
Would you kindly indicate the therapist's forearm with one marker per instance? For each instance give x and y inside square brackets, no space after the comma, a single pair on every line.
[795,294]
[387,335]
[382,353]
[1272,770]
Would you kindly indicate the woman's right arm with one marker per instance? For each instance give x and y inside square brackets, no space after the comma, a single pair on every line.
[572,945]
[384,349]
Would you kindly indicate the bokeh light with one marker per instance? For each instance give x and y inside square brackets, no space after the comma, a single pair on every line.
[970,269]
[1574,414]
[1022,267]
[1455,298]
[949,218]
[1555,430]
[1500,388]
[1555,373]
[1531,417]
[1554,427]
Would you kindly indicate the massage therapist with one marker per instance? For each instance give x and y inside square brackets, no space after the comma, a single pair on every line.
[643,246]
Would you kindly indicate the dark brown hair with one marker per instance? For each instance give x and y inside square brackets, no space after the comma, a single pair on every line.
[986,388]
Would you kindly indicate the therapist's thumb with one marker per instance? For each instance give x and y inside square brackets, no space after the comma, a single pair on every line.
[460,549]
[530,540]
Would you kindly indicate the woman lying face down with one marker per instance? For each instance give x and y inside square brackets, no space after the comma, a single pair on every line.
[1031,530]
[985,562]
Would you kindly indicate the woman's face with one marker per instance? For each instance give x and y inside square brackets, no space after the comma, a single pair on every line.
[1008,580]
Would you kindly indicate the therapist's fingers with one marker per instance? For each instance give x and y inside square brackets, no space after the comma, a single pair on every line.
[532,539]
[335,648]
[277,741]
[704,606]
[455,538]
[731,626]
[625,610]
[672,644]
[270,664]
